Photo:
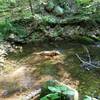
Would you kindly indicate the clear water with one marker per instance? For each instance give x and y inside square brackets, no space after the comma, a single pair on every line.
[89,80]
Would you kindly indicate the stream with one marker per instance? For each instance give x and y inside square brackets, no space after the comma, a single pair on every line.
[89,80]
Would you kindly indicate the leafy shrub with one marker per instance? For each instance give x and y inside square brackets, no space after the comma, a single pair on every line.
[52,91]
[8,27]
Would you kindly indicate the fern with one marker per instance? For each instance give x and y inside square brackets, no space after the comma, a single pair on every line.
[7,28]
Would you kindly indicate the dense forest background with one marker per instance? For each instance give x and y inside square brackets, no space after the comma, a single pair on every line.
[41,19]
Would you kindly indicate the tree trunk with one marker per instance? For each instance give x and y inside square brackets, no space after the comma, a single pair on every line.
[31,7]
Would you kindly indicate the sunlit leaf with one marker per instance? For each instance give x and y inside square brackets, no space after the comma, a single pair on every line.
[52,96]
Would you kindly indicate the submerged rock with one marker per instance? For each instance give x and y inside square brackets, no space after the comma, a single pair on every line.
[49,53]
[54,56]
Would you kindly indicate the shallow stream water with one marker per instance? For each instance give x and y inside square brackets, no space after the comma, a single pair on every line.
[89,80]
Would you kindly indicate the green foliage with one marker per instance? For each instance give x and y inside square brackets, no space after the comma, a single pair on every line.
[52,96]
[61,89]
[52,91]
[19,30]
[37,37]
[6,4]
[7,28]
[1,37]
[49,19]
[87,98]
[88,12]
[83,1]
[90,8]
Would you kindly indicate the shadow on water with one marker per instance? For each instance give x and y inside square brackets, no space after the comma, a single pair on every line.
[89,81]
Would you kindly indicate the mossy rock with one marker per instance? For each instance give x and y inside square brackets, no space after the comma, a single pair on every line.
[50,6]
[58,11]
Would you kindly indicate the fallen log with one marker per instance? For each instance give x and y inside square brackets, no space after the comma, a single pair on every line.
[32,94]
[85,64]
[49,53]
